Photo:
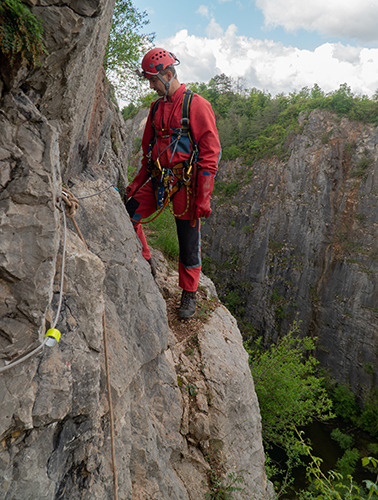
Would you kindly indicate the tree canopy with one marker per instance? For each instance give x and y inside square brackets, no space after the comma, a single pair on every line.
[126,45]
[253,124]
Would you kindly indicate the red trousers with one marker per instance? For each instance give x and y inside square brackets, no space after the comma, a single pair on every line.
[143,204]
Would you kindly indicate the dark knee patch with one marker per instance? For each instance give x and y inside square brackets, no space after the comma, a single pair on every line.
[189,242]
[131,206]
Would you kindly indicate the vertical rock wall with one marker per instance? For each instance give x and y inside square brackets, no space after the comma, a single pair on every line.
[299,242]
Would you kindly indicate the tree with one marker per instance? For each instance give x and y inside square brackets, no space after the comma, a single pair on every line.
[126,44]
[289,392]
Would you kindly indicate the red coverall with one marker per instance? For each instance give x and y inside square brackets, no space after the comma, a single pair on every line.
[141,196]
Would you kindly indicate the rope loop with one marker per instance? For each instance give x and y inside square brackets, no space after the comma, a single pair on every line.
[72,203]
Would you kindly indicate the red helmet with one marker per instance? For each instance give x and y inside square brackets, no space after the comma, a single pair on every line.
[156,60]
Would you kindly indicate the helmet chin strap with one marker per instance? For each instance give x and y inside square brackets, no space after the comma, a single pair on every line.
[166,84]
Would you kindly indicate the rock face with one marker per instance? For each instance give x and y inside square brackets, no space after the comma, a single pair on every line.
[171,440]
[299,242]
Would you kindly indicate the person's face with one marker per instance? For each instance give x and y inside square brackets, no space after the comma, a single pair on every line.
[157,85]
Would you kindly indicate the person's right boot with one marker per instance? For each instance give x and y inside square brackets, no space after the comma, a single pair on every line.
[188,305]
[152,266]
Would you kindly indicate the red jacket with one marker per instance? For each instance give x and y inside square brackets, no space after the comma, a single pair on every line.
[167,117]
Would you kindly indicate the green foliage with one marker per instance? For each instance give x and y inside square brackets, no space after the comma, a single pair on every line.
[253,125]
[372,487]
[222,489]
[368,420]
[129,111]
[20,34]
[192,389]
[333,485]
[362,166]
[344,402]
[344,440]
[233,302]
[288,389]
[346,407]
[228,189]
[126,44]
[347,463]
[162,234]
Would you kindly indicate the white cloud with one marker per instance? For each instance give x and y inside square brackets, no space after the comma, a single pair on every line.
[213,29]
[354,19]
[203,10]
[271,66]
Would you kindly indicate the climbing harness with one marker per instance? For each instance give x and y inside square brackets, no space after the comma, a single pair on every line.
[167,181]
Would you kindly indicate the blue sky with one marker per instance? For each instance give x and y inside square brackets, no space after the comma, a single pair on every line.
[273,45]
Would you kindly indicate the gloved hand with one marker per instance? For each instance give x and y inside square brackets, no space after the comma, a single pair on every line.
[205,185]
[138,182]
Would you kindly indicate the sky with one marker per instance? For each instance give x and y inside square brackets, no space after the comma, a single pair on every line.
[277,46]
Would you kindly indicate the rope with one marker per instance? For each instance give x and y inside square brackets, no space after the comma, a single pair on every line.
[11,364]
[187,204]
[141,221]
[72,204]
[111,416]
[94,194]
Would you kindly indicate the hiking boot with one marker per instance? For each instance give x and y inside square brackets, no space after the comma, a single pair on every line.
[152,266]
[188,305]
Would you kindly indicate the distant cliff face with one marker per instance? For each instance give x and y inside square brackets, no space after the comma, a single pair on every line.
[185,410]
[298,241]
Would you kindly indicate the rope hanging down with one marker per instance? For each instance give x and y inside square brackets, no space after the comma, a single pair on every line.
[71,206]
[69,210]
[11,364]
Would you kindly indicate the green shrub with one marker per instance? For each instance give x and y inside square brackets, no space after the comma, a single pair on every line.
[332,485]
[129,111]
[344,402]
[368,421]
[20,34]
[228,189]
[347,463]
[342,439]
[288,389]
[233,301]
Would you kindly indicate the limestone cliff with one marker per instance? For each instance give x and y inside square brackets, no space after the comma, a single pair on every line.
[299,241]
[185,412]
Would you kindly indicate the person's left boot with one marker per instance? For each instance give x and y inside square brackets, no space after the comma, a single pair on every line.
[188,305]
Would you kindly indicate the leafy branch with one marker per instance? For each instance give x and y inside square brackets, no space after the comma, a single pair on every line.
[20,34]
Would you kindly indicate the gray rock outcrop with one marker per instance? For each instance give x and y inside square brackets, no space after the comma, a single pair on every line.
[299,242]
[59,126]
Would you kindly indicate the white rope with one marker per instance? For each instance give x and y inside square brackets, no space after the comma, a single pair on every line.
[11,364]
[94,194]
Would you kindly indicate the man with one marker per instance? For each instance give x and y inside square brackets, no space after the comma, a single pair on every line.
[180,160]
